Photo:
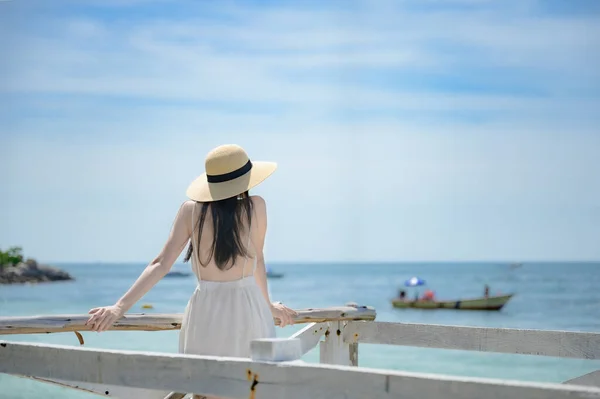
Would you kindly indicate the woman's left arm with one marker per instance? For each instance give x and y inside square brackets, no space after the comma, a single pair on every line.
[104,317]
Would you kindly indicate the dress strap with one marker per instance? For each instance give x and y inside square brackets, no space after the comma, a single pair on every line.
[247,246]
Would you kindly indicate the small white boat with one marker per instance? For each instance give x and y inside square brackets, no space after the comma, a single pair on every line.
[178,274]
[272,274]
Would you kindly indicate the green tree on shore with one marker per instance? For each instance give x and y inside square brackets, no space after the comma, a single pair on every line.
[12,257]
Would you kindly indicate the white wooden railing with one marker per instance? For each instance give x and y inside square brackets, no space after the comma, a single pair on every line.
[276,372]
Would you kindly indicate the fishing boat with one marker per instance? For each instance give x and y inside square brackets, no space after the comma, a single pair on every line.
[483,303]
[428,300]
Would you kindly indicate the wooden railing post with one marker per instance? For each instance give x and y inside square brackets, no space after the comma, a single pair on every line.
[334,350]
[354,353]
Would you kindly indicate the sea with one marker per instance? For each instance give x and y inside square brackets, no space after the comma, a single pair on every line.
[551,296]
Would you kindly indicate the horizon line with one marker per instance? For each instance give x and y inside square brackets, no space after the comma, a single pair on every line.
[508,262]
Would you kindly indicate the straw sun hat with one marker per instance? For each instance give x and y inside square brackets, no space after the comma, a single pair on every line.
[229,172]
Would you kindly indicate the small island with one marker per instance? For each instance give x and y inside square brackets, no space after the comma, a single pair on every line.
[15,270]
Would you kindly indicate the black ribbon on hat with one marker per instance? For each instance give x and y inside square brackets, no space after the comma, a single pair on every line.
[231,175]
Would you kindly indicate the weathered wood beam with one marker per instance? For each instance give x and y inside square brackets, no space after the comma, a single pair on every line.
[571,344]
[175,395]
[241,378]
[161,322]
[590,379]
[354,353]
[105,390]
[310,336]
[276,349]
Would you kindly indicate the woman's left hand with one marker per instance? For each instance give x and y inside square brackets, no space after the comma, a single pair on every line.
[103,318]
[283,313]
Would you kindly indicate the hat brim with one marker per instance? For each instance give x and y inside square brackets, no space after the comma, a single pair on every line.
[202,191]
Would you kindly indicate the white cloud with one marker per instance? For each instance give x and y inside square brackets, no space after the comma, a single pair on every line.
[256,56]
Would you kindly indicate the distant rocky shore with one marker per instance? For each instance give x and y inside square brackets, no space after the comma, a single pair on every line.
[30,271]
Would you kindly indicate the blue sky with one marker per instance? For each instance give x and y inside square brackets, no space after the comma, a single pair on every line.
[404,130]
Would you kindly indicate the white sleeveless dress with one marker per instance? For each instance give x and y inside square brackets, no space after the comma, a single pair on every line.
[222,318]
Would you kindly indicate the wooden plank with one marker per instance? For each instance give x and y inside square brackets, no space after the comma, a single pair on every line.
[64,323]
[107,391]
[590,379]
[438,387]
[581,345]
[354,353]
[241,378]
[310,336]
[276,349]
[161,322]
[334,350]
[174,395]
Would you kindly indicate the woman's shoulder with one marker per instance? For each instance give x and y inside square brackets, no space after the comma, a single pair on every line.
[257,200]
[189,204]
[187,207]
[259,205]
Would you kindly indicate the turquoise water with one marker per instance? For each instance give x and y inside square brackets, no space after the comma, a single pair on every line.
[560,296]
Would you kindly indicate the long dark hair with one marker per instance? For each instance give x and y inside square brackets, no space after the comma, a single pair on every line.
[229,240]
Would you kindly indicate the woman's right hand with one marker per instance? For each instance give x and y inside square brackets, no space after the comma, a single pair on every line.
[283,313]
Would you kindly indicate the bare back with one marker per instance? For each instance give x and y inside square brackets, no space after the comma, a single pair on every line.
[243,266]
